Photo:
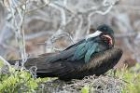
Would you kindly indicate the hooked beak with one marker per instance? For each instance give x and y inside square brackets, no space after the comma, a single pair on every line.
[109,38]
[96,33]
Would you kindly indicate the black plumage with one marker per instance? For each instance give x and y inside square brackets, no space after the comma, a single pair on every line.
[93,55]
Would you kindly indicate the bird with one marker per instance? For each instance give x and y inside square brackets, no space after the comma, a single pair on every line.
[93,55]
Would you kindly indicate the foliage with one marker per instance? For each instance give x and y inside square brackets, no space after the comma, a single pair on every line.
[15,81]
[18,81]
[131,78]
[85,89]
[21,81]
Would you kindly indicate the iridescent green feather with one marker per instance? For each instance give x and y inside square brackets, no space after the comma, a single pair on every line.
[85,51]
[90,51]
[80,51]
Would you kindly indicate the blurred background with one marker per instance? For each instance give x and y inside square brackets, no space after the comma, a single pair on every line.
[33,27]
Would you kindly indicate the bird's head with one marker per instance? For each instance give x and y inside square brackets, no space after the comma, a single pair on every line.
[105,33]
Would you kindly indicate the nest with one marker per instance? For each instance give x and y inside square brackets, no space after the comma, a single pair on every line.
[92,84]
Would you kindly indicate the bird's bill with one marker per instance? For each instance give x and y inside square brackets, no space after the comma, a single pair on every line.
[96,33]
[109,39]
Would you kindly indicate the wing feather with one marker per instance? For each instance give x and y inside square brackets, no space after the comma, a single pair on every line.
[91,51]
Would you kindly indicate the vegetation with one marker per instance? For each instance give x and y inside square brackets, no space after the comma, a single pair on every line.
[15,81]
[131,78]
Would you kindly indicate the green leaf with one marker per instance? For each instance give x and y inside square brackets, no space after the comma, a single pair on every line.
[85,89]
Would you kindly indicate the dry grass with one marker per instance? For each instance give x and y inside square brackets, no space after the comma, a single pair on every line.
[91,84]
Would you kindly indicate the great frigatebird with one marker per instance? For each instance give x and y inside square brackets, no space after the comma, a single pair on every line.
[93,55]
